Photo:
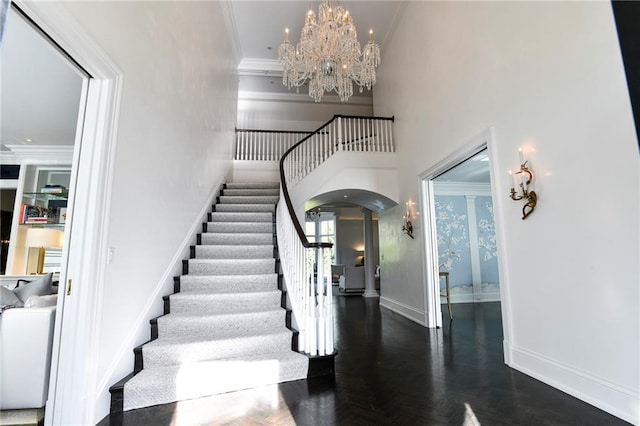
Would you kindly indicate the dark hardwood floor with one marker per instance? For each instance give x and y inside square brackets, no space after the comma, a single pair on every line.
[393,371]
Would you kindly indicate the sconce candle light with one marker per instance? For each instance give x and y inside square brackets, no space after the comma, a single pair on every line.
[526,177]
[407,228]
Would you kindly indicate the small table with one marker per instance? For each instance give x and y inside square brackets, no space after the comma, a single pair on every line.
[448,290]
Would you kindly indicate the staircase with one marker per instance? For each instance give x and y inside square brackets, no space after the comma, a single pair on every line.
[224,328]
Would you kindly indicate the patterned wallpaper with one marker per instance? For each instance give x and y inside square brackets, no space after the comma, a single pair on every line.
[454,247]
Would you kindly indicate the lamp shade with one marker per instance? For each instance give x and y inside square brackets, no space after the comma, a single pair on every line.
[43,237]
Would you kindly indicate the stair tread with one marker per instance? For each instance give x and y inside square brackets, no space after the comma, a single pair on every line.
[160,385]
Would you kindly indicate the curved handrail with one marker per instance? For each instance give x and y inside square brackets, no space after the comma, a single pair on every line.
[285,191]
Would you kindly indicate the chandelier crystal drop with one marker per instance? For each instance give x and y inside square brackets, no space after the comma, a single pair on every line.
[329,55]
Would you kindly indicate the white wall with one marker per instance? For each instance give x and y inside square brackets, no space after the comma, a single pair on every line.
[174,143]
[273,111]
[549,77]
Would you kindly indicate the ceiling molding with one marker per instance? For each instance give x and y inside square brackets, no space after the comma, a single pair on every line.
[394,23]
[258,66]
[232,29]
[301,97]
[37,153]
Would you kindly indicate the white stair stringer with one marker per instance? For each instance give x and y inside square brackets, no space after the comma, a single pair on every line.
[225,330]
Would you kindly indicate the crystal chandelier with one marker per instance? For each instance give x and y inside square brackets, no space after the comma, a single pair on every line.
[329,55]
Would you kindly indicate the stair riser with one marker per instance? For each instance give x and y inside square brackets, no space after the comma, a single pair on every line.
[236,239]
[228,284]
[240,217]
[252,185]
[247,199]
[217,327]
[240,227]
[231,266]
[251,192]
[242,208]
[156,354]
[224,303]
[233,252]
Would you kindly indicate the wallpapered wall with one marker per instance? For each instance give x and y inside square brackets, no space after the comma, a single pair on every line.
[454,246]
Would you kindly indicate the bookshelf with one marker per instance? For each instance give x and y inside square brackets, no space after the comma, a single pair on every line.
[41,202]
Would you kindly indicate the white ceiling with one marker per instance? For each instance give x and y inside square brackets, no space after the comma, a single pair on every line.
[260,26]
[40,90]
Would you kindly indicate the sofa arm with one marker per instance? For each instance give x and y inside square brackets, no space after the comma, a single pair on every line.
[26,341]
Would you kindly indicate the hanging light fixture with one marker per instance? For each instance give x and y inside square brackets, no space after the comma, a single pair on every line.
[329,55]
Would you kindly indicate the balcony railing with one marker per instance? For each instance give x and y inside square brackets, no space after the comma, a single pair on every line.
[265,145]
[309,289]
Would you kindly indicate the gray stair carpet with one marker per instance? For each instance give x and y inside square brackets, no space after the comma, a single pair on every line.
[226,329]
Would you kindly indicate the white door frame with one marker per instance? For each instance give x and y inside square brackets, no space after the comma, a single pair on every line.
[73,381]
[433,311]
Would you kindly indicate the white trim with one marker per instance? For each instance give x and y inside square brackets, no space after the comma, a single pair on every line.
[9,183]
[232,29]
[501,246]
[610,397]
[485,139]
[260,67]
[51,154]
[433,311]
[431,280]
[406,311]
[74,369]
[300,97]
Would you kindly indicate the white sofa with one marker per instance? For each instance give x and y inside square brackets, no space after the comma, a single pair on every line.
[353,279]
[26,340]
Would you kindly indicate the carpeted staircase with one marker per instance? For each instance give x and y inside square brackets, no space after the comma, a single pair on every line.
[225,327]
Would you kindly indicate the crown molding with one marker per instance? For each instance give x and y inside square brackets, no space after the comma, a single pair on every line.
[51,154]
[232,29]
[302,97]
[259,66]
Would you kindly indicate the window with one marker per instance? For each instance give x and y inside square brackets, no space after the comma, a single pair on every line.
[321,228]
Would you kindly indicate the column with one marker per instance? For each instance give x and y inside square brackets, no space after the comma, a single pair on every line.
[369,262]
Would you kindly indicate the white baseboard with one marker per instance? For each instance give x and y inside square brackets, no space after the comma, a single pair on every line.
[472,298]
[610,397]
[406,311]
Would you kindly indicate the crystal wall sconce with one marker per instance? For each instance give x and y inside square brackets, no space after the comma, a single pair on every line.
[524,182]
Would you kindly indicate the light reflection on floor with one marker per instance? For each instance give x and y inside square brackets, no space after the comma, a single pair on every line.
[234,408]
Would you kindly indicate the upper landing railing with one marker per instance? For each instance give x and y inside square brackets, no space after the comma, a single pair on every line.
[308,287]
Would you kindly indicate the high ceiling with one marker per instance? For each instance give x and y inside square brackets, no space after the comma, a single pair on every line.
[40,89]
[261,24]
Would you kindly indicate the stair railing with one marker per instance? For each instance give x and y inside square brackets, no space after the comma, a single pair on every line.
[310,289]
[265,145]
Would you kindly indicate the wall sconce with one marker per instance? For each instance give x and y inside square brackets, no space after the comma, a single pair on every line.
[407,228]
[526,177]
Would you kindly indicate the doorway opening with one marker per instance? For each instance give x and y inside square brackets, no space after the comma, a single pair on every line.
[461,246]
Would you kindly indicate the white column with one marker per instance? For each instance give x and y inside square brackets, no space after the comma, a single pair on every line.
[369,266]
[474,248]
